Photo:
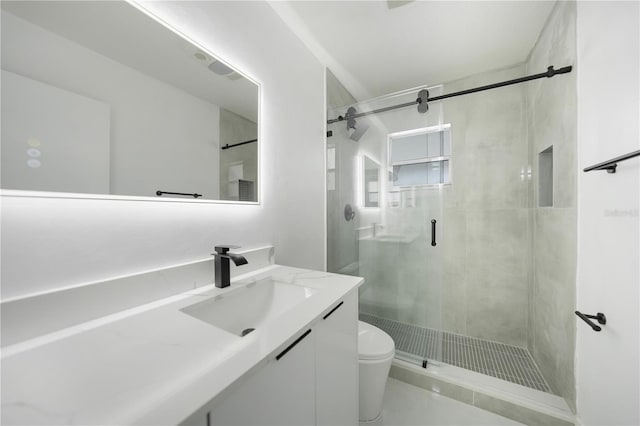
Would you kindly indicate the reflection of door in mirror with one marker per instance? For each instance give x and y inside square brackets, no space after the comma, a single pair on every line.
[238,158]
[119,104]
[371,171]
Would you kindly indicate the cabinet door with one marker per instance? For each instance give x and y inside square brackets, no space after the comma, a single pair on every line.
[282,392]
[337,365]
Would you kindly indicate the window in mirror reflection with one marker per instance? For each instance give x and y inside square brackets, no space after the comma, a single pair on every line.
[120,105]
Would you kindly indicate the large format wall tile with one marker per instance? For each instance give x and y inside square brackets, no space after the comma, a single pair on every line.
[497,263]
[454,280]
[485,291]
[552,118]
[554,297]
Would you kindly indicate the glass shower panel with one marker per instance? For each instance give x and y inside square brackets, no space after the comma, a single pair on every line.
[397,246]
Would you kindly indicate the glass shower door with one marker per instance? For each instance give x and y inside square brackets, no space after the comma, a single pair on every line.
[402,267]
[391,170]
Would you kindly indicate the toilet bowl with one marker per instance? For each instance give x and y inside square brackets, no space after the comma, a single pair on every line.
[375,354]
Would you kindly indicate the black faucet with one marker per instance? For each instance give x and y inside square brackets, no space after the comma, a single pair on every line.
[222,274]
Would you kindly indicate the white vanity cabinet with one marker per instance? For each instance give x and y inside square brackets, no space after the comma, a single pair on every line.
[313,380]
[336,340]
[279,393]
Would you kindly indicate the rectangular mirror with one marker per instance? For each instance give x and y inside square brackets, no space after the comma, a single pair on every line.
[100,98]
[371,171]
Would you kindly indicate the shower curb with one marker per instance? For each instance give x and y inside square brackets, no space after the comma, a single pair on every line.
[531,412]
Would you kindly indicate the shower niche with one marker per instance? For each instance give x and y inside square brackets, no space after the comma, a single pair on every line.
[545,178]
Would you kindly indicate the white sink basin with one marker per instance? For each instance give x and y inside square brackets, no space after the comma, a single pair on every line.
[249,307]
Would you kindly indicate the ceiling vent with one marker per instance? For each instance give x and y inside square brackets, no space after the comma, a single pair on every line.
[214,65]
[223,70]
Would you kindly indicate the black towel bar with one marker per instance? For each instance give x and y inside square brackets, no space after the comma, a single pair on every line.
[602,319]
[610,165]
[160,193]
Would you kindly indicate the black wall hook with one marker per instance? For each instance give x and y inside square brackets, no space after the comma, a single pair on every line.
[600,317]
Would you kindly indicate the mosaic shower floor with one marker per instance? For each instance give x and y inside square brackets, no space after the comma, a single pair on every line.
[505,362]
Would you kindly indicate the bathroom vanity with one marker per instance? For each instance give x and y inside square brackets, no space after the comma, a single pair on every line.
[183,359]
[309,380]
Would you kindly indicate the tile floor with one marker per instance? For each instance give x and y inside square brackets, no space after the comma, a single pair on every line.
[407,405]
[495,359]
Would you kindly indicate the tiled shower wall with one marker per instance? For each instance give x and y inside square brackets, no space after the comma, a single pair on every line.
[552,120]
[486,223]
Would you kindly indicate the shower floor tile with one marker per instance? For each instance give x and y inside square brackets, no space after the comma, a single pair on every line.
[495,359]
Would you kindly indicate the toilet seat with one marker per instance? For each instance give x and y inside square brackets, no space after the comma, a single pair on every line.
[373,343]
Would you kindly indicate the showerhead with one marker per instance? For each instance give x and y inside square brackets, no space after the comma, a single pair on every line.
[358,132]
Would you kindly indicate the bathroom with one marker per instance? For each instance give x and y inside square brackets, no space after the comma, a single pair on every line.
[542,262]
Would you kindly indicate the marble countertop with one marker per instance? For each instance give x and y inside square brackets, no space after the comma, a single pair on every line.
[152,364]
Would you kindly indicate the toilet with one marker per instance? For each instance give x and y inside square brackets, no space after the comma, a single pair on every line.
[375,353]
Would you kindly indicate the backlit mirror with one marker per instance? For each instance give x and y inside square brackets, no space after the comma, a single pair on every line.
[99,98]
[371,181]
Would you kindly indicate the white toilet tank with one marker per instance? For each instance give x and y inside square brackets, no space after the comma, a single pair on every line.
[375,351]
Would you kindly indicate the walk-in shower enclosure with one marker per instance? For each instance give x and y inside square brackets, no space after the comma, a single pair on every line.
[462,219]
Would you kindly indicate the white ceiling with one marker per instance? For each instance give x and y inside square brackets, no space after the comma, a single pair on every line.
[375,49]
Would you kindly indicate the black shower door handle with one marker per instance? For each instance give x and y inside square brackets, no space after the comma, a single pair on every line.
[433,232]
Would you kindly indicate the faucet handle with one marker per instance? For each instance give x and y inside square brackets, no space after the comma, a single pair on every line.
[223,249]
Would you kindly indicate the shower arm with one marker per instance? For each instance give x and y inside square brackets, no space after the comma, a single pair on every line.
[424,93]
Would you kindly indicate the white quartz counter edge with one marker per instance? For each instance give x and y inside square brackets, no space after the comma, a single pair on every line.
[153,364]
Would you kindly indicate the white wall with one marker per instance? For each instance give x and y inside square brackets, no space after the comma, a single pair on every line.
[607,370]
[53,139]
[49,243]
[162,138]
